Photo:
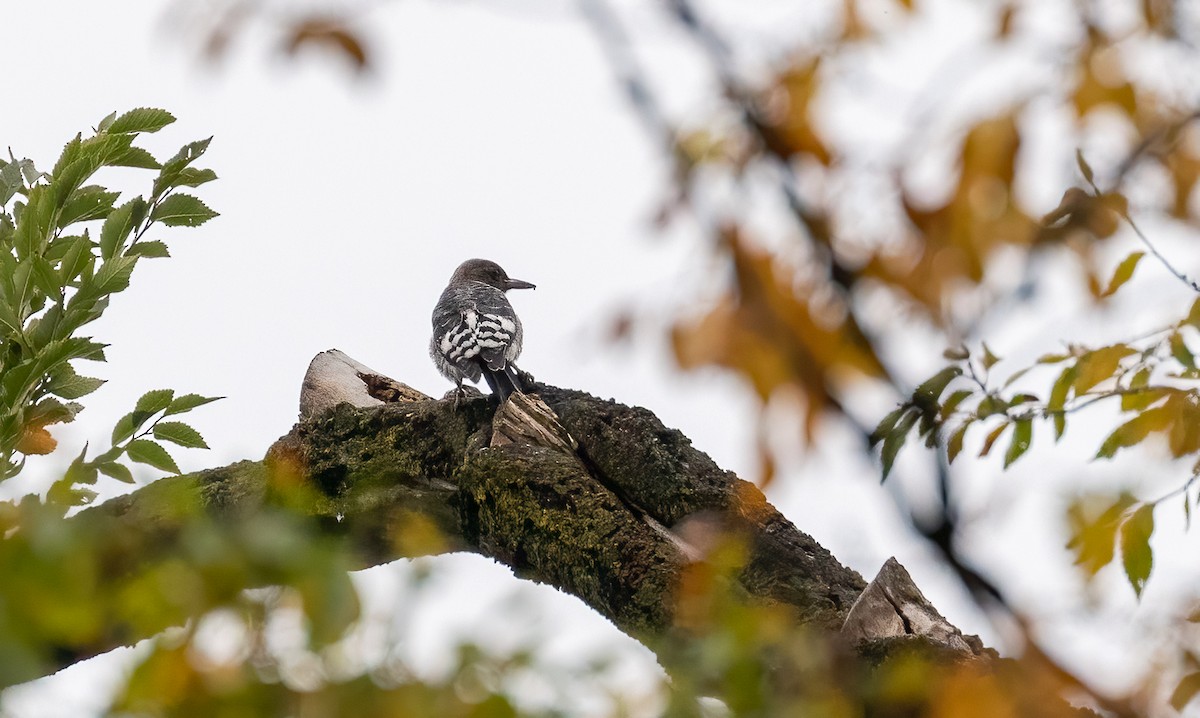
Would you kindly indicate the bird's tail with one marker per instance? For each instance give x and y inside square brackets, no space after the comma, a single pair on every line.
[499,382]
[504,382]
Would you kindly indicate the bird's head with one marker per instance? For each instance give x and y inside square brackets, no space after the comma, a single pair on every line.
[488,272]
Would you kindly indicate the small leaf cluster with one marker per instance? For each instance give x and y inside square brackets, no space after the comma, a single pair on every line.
[1153,380]
[67,246]
[136,435]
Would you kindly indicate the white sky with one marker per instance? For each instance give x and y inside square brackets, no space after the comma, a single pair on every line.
[494,130]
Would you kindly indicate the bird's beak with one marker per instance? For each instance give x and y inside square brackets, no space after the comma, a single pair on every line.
[517,284]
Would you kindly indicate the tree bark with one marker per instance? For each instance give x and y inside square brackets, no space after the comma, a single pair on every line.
[593,497]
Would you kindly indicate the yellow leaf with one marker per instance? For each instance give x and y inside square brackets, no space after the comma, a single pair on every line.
[1136,554]
[1098,365]
[1123,273]
[789,130]
[1093,522]
[1102,80]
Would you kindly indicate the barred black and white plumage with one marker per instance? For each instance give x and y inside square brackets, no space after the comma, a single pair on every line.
[475,330]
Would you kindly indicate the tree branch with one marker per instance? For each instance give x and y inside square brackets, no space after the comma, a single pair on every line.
[595,498]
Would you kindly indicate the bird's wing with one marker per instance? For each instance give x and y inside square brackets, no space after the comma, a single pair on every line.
[482,327]
[495,326]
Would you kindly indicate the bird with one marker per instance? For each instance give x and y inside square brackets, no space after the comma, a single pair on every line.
[475,330]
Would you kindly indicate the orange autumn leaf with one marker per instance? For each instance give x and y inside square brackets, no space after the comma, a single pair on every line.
[954,242]
[767,330]
[787,127]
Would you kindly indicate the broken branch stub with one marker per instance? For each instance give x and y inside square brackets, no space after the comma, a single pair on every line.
[333,378]
[893,607]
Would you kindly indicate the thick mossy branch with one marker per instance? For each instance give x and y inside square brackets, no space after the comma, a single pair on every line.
[538,511]
[421,476]
[658,469]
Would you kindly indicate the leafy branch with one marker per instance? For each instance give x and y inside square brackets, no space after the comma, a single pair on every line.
[55,279]
[131,437]
[1151,378]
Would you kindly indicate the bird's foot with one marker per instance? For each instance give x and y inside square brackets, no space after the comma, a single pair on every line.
[462,393]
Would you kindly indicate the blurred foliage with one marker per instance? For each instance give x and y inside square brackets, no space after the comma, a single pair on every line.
[819,297]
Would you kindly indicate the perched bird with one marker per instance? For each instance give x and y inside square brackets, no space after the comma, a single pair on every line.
[475,330]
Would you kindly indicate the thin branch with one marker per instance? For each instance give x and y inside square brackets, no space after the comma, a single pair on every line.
[1158,255]
[1177,491]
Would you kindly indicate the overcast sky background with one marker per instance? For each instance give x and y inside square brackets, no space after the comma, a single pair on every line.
[495,129]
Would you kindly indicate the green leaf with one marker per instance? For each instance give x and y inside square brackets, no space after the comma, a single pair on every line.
[136,157]
[182,210]
[87,203]
[114,275]
[29,172]
[1135,547]
[155,401]
[1187,689]
[1123,273]
[1058,400]
[70,153]
[120,472]
[52,411]
[86,158]
[1016,376]
[45,278]
[193,177]
[931,389]
[94,351]
[127,425]
[144,451]
[989,359]
[42,330]
[153,250]
[65,383]
[9,321]
[106,122]
[187,402]
[22,287]
[120,223]
[1180,351]
[79,251]
[991,405]
[1134,431]
[142,119]
[34,224]
[888,423]
[147,406]
[180,433]
[10,182]
[1021,438]
[63,491]
[173,168]
[953,401]
[895,439]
